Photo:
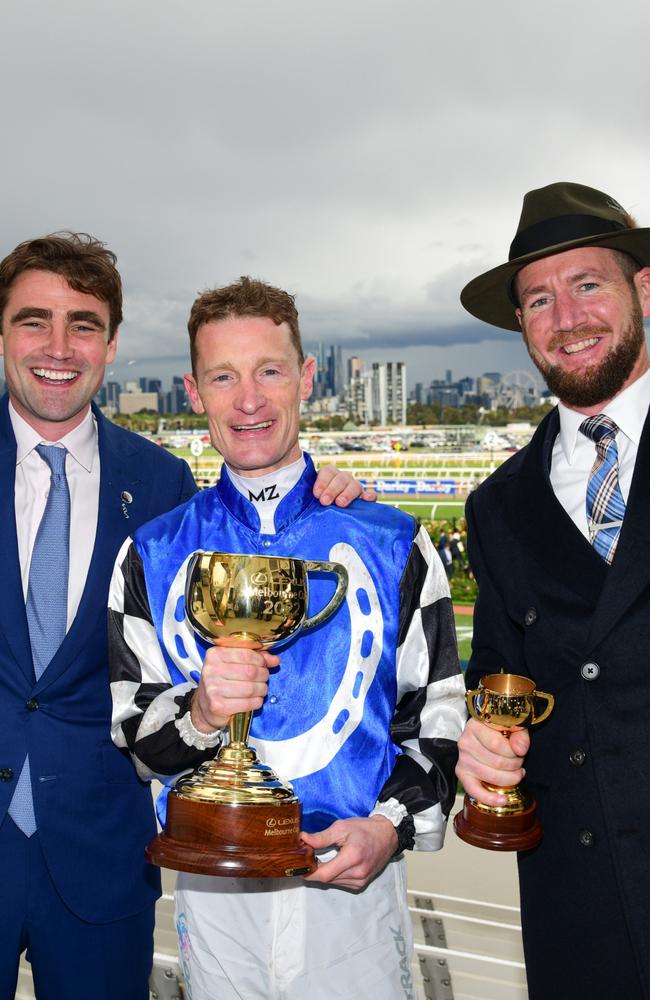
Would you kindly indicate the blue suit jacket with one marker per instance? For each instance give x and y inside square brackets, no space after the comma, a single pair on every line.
[94,815]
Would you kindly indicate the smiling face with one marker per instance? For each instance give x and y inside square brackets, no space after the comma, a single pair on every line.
[250,383]
[582,322]
[55,347]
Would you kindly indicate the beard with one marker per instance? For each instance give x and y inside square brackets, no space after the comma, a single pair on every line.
[597,383]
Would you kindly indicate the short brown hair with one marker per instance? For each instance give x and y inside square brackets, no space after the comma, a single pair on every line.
[83,261]
[629,265]
[246,297]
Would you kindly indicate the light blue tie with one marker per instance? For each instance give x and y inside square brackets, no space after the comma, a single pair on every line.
[47,602]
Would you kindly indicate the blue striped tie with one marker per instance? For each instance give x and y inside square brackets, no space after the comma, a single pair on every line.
[605,503]
[47,602]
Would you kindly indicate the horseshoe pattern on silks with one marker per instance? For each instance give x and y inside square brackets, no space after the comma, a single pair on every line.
[313,749]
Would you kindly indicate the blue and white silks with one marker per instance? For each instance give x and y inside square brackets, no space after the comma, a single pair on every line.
[325,724]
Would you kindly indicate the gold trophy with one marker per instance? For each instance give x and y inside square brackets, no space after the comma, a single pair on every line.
[506,702]
[233,816]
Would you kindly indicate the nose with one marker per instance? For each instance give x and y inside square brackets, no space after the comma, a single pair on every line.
[568,312]
[59,345]
[249,398]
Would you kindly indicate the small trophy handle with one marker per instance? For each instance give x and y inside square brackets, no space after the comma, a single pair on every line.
[469,697]
[341,572]
[547,711]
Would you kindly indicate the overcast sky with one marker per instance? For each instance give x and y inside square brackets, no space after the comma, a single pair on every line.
[369,156]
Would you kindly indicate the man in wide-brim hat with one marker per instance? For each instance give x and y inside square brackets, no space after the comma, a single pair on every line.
[559,540]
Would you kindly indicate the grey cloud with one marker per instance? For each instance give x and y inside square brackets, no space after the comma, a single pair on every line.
[370,156]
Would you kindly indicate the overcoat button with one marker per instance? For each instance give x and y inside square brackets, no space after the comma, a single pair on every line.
[530,617]
[6,774]
[586,838]
[578,757]
[31,705]
[589,671]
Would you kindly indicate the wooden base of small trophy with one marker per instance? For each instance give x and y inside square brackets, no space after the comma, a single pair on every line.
[498,830]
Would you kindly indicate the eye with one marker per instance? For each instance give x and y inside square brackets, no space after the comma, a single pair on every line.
[589,286]
[538,303]
[222,377]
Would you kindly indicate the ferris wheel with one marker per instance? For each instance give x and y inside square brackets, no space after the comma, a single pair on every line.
[517,389]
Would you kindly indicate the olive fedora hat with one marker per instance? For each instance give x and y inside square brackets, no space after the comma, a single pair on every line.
[555,218]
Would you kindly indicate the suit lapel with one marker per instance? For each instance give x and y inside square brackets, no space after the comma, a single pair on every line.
[13,619]
[549,535]
[120,473]
[629,573]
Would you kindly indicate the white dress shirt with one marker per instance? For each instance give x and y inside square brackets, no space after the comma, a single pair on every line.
[32,489]
[574,454]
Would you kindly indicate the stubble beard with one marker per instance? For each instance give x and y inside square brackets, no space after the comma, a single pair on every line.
[598,383]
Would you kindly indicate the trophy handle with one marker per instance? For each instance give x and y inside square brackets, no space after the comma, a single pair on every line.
[314,566]
[469,697]
[547,711]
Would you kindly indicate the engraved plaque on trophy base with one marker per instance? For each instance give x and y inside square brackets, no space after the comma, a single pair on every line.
[231,839]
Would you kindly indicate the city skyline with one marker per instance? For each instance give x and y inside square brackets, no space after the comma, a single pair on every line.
[504,358]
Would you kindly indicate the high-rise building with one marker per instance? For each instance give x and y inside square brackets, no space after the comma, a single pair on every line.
[113,394]
[176,399]
[388,392]
[420,394]
[355,367]
[358,397]
[135,401]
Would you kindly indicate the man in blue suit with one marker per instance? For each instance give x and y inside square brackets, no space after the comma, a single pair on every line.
[74,817]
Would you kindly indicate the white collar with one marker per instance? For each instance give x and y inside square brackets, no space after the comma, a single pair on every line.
[628,410]
[80,442]
[283,480]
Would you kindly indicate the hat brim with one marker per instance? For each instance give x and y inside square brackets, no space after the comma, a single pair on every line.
[487,297]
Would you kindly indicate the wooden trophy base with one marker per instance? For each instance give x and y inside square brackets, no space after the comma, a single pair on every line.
[236,839]
[498,831]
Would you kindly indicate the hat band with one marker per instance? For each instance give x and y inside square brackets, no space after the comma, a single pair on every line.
[561,229]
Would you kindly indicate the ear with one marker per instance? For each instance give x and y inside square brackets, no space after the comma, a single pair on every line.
[642,285]
[193,393]
[518,315]
[111,348]
[307,377]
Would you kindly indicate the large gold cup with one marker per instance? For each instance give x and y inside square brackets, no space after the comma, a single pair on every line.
[233,816]
[506,702]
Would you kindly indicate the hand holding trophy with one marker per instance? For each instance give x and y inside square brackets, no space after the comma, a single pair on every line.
[506,702]
[233,816]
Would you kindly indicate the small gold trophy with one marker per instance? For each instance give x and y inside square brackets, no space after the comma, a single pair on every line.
[233,816]
[506,702]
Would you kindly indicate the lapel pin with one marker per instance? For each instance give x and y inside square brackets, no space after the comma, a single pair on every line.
[126,498]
